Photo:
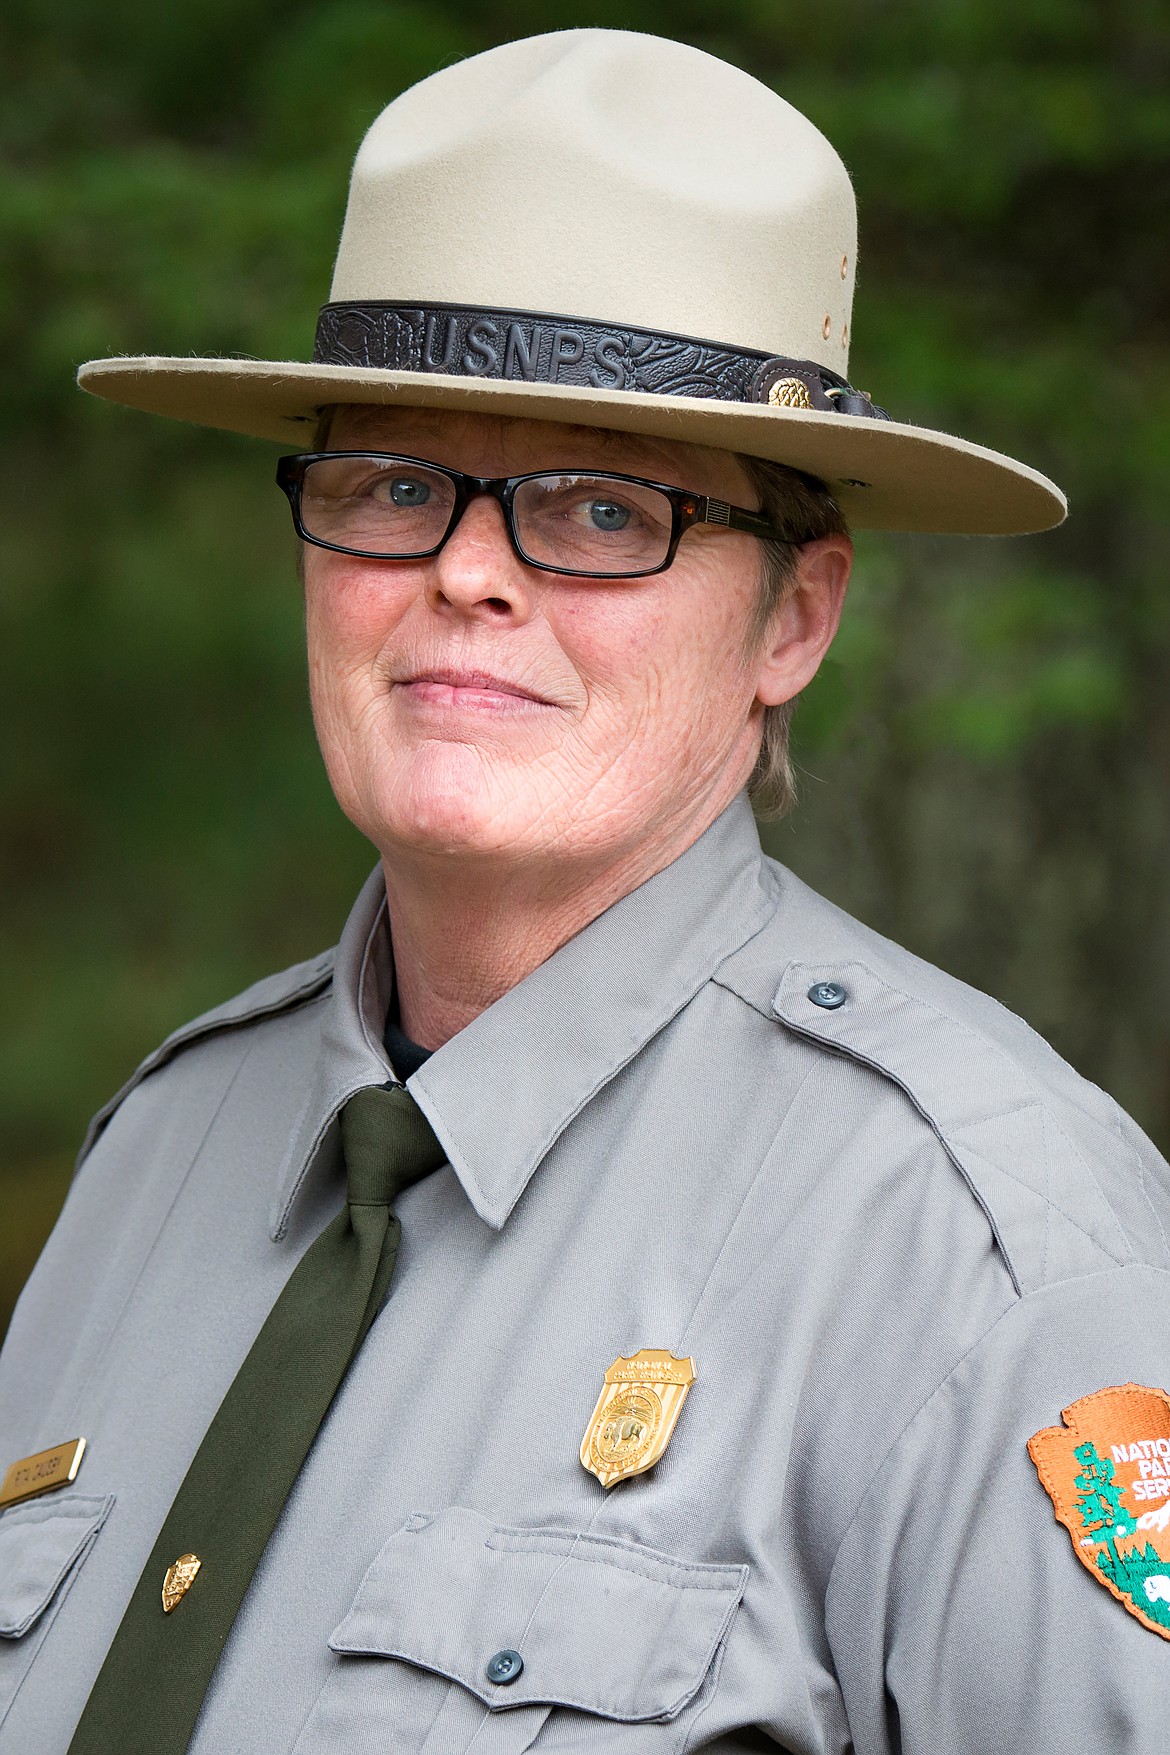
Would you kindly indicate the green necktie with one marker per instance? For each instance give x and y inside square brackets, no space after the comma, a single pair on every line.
[148,1693]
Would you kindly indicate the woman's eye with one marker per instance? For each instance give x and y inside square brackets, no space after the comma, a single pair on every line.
[608,515]
[406,492]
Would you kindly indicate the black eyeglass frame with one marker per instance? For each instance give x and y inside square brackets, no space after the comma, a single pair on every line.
[687,509]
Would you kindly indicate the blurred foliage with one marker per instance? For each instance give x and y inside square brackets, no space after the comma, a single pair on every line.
[986,754]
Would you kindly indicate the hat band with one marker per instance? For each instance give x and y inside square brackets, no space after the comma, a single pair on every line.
[534,347]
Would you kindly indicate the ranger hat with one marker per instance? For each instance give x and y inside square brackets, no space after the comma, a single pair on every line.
[614,230]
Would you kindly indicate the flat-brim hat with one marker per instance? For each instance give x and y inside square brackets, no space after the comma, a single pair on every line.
[613,230]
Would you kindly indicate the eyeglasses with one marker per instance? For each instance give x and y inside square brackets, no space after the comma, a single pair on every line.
[585,523]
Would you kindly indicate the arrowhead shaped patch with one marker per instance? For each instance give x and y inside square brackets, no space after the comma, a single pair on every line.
[1107,1473]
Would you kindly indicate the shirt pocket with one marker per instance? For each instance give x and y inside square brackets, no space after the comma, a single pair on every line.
[42,1547]
[617,1642]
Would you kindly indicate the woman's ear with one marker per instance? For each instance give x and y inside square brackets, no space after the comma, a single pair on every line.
[805,622]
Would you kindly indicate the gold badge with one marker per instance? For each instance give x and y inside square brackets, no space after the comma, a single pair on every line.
[636,1413]
[42,1473]
[179,1579]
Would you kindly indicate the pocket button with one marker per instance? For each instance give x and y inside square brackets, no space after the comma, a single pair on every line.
[504,1667]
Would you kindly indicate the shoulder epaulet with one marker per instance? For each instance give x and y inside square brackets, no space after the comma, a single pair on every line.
[265,998]
[1068,1183]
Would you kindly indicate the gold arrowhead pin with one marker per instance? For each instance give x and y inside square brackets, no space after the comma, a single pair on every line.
[636,1413]
[179,1579]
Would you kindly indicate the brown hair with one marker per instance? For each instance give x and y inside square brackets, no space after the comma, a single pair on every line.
[803,509]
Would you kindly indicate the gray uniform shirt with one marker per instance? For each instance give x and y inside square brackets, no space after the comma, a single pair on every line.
[896,1237]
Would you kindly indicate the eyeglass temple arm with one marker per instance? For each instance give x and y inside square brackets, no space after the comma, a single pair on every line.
[735,518]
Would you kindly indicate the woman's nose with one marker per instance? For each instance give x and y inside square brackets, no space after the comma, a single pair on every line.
[477,568]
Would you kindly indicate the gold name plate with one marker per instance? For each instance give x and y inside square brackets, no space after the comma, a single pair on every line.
[42,1473]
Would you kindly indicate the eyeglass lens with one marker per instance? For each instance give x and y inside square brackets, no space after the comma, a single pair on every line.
[568,521]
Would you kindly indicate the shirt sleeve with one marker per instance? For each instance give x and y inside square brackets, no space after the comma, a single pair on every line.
[959,1613]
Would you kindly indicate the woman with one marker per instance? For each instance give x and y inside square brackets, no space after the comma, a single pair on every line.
[712,1397]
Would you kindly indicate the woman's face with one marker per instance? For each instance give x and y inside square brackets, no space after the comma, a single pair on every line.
[470,704]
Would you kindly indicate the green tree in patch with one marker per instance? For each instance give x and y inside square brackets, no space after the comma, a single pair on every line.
[1100,1506]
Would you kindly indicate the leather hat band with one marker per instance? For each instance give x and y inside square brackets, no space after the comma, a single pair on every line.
[533,347]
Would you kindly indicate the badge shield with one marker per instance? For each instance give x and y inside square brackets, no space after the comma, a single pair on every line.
[636,1413]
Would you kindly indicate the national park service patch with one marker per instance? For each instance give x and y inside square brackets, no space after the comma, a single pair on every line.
[1107,1472]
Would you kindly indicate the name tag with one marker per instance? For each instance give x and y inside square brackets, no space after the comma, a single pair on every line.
[42,1473]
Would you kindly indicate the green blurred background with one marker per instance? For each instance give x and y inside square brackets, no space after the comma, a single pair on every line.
[985,757]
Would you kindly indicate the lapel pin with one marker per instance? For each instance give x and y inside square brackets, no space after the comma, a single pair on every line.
[179,1579]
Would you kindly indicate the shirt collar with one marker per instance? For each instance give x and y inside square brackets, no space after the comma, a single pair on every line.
[500,1092]
[351,1055]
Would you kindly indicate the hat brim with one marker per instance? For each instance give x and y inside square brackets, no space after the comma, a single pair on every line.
[885,475]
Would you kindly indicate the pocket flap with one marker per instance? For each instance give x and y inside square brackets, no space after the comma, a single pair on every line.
[40,1543]
[602,1624]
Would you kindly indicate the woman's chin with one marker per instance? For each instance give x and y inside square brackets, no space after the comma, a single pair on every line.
[450,799]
